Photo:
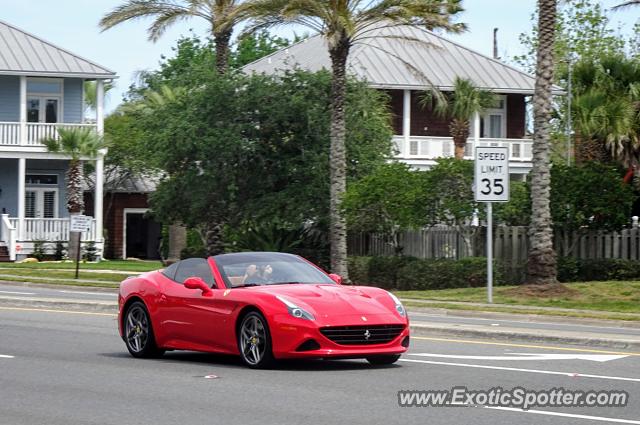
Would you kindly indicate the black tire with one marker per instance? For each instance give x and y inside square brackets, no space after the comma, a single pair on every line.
[138,332]
[254,341]
[383,360]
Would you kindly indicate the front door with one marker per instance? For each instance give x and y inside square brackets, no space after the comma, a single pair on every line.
[43,109]
[41,203]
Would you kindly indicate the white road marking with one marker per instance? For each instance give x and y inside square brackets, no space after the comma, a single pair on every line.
[564,415]
[18,293]
[481,319]
[528,356]
[513,369]
[90,293]
[4,356]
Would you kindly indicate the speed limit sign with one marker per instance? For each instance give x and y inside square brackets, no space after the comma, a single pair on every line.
[491,185]
[492,174]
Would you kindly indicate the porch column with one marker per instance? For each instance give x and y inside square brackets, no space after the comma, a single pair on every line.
[406,122]
[98,191]
[23,110]
[99,197]
[476,131]
[22,175]
[100,106]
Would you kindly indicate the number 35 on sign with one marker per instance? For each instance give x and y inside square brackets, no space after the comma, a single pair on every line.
[492,174]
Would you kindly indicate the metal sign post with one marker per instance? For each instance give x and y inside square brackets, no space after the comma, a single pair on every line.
[491,184]
[79,224]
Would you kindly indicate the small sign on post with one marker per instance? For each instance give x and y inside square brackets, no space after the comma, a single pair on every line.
[79,224]
[491,184]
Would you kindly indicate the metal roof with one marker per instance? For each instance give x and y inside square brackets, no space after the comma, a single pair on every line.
[404,57]
[22,53]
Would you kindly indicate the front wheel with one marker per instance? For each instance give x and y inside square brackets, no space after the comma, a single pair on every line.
[254,341]
[383,360]
[138,333]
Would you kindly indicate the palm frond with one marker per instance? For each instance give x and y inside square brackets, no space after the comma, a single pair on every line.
[626,4]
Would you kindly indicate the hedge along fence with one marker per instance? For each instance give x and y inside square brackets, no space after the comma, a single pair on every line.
[410,273]
[511,245]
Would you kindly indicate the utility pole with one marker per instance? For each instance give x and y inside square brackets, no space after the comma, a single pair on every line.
[495,44]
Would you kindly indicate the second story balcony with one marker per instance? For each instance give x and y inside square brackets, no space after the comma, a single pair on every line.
[32,134]
[35,108]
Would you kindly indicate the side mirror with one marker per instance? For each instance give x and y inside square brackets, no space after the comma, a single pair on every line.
[336,278]
[197,283]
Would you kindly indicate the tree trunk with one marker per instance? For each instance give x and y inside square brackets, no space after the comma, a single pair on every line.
[541,266]
[222,41]
[75,201]
[75,196]
[213,238]
[338,158]
[459,130]
[589,149]
[177,242]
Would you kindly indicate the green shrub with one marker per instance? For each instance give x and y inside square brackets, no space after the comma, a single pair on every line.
[39,251]
[359,270]
[409,273]
[60,252]
[384,271]
[90,251]
[447,273]
[568,269]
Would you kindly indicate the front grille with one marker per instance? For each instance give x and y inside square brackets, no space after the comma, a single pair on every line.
[362,335]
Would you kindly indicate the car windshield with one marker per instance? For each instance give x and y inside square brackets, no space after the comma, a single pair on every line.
[267,268]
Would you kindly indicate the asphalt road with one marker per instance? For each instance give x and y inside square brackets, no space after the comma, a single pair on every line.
[72,368]
[597,328]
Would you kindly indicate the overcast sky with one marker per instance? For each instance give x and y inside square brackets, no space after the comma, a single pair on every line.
[72,24]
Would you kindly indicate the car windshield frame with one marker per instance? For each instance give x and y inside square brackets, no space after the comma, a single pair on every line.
[287,269]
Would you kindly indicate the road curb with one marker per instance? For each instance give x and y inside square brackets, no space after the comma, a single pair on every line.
[511,335]
[58,304]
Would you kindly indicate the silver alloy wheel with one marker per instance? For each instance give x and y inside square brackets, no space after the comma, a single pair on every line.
[253,339]
[137,328]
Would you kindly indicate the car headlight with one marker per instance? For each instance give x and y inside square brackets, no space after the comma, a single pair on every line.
[294,310]
[399,307]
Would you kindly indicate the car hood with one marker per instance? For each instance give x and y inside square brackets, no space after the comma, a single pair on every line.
[326,300]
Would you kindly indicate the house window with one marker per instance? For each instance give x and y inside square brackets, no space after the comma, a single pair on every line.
[44,100]
[42,179]
[41,196]
[41,203]
[494,121]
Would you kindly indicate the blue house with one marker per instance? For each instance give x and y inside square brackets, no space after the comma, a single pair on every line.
[41,91]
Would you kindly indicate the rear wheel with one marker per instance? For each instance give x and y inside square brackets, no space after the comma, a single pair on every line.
[254,341]
[383,360]
[138,332]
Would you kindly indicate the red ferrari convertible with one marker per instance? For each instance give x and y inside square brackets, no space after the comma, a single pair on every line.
[263,306]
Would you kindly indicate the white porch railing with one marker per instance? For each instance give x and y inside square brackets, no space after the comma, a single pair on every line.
[8,234]
[430,147]
[10,134]
[53,229]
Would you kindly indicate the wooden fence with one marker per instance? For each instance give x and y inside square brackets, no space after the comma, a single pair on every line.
[510,243]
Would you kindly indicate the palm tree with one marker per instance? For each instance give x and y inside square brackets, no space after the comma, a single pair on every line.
[605,109]
[222,16]
[90,94]
[343,24]
[541,266]
[76,143]
[465,101]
